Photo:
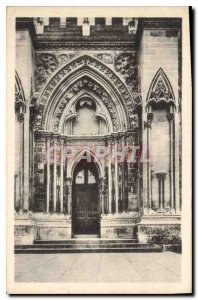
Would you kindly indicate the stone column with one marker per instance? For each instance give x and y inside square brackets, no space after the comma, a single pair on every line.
[110,176]
[26,161]
[170,117]
[123,162]
[116,175]
[176,134]
[20,117]
[102,195]
[147,125]
[61,174]
[55,176]
[69,195]
[48,174]
[161,178]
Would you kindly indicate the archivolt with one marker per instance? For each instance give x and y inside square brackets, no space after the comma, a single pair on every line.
[103,76]
[82,86]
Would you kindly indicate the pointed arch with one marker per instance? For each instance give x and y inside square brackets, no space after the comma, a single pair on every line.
[70,111]
[91,67]
[77,158]
[61,106]
[160,89]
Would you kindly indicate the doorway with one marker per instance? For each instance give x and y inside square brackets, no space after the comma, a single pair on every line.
[85,202]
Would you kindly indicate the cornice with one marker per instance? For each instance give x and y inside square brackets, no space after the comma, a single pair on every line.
[92,45]
[160,23]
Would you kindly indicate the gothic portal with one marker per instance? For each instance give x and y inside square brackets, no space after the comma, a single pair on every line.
[98,127]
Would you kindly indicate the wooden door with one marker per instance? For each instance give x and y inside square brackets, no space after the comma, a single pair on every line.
[85,208]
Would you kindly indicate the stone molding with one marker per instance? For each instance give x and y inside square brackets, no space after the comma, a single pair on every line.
[84,63]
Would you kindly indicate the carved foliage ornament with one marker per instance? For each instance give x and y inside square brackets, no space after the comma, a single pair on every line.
[45,65]
[126,65]
[107,58]
[63,58]
[160,89]
[36,114]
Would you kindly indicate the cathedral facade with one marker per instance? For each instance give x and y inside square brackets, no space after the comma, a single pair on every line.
[98,128]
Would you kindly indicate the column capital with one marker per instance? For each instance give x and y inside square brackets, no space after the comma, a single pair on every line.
[108,139]
[56,138]
[147,124]
[160,175]
[48,138]
[171,117]
[20,117]
[47,135]
[114,138]
[69,180]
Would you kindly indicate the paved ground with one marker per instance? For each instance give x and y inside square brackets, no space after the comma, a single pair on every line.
[98,267]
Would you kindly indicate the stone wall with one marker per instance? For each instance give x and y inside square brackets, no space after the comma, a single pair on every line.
[158,49]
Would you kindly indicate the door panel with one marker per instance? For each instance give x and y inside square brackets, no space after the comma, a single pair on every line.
[86,212]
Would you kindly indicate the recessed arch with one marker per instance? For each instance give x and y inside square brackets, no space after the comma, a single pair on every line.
[65,93]
[95,69]
[62,109]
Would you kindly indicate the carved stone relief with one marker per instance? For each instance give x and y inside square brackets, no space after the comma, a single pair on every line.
[134,122]
[45,65]
[40,150]
[107,58]
[126,65]
[63,58]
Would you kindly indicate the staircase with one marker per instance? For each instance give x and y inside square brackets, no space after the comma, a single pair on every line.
[86,246]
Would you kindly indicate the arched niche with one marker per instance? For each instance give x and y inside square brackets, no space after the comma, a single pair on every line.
[160,109]
[85,117]
[160,90]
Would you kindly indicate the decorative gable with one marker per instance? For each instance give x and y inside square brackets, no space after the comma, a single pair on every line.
[160,88]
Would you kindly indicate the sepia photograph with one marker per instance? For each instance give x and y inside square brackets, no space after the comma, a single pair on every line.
[98,193]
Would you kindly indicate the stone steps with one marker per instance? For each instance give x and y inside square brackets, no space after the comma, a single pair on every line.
[86,241]
[86,246]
